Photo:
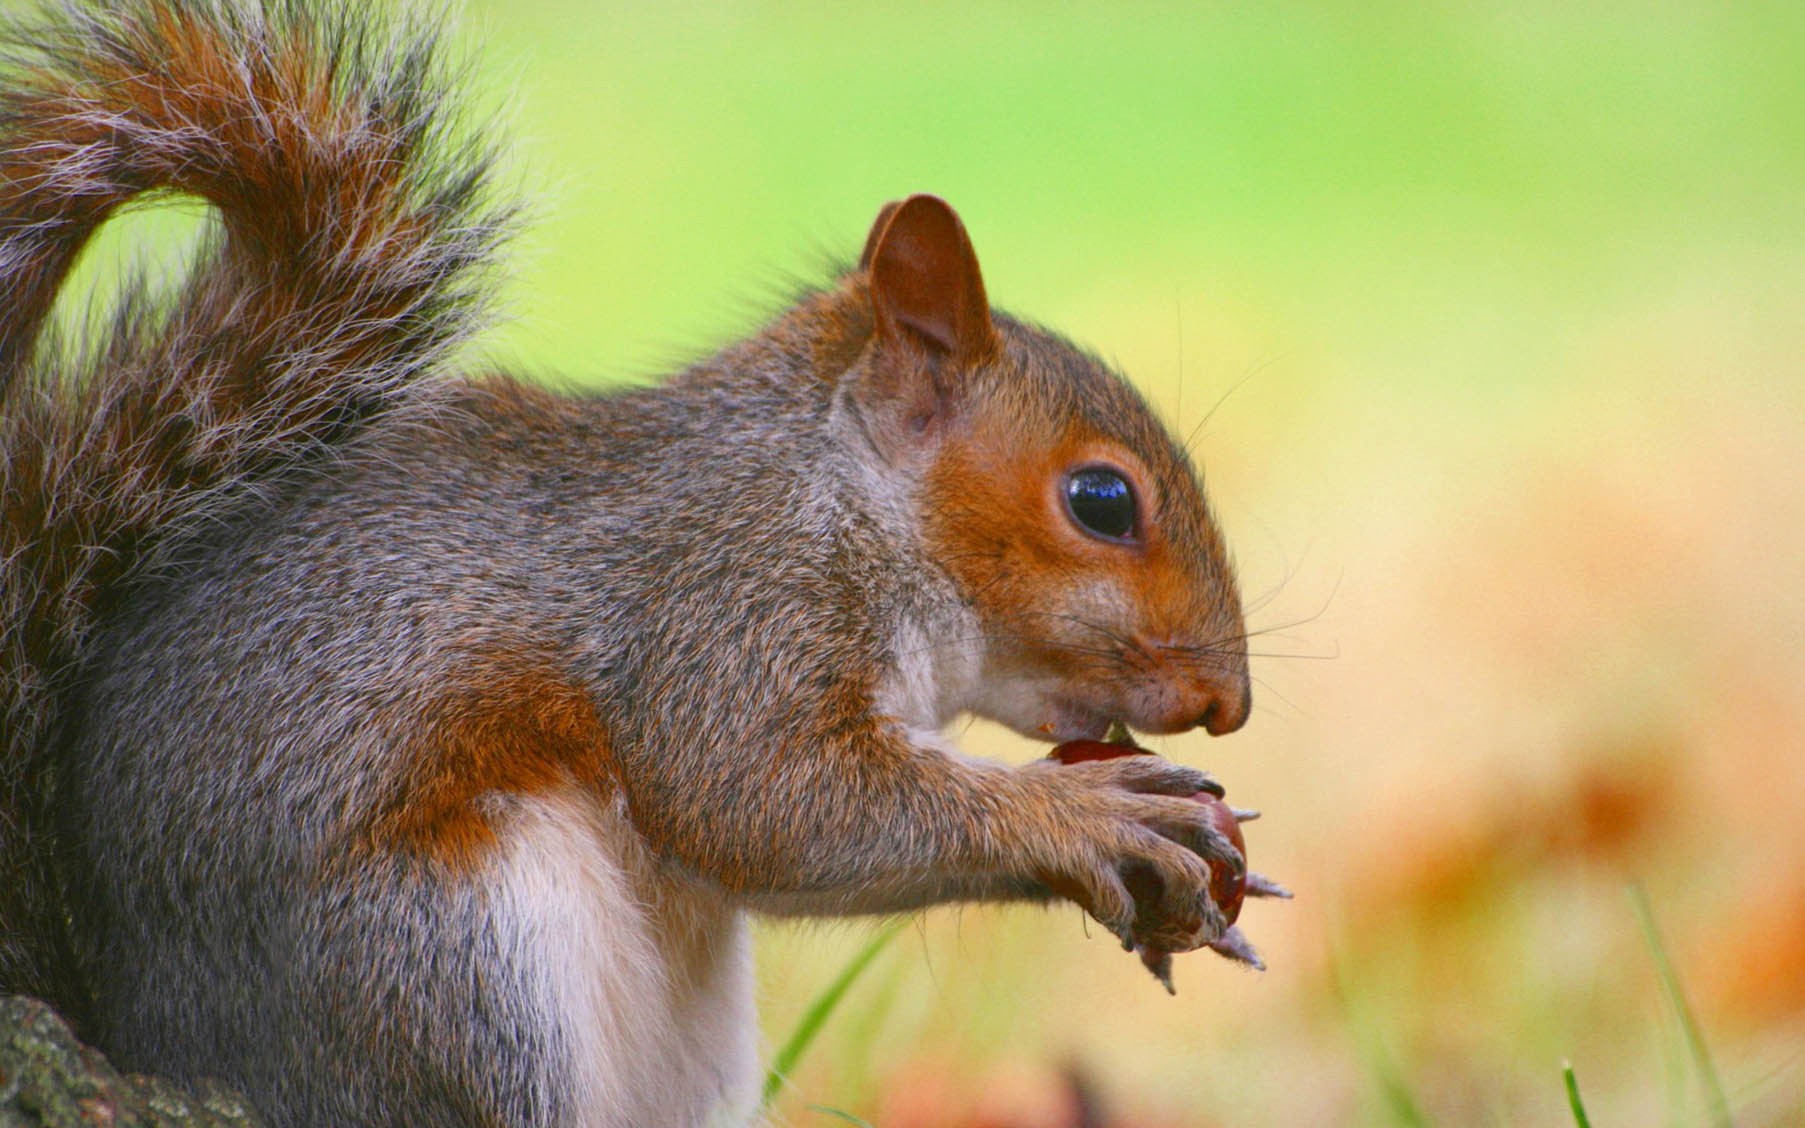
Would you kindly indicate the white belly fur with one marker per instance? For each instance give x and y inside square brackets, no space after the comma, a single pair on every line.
[648,977]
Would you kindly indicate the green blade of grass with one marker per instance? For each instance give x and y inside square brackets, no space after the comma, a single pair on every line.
[1718,1104]
[1392,1084]
[1573,1102]
[1398,1096]
[818,1011]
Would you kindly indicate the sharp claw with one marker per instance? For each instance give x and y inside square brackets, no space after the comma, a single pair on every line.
[1258,885]
[1243,814]
[1210,785]
[1234,945]
[1159,962]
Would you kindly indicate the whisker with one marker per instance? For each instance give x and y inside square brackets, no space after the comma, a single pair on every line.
[1299,657]
[1277,627]
[1266,688]
[1272,592]
[1321,610]
[1178,315]
[1126,642]
[1258,368]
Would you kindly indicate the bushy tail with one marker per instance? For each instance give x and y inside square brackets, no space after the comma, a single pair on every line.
[353,228]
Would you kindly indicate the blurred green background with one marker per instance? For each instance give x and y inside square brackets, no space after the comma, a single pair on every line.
[1504,305]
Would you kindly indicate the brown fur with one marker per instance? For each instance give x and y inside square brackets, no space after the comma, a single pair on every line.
[512,727]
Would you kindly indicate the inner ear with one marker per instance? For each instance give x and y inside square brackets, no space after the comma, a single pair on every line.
[926,289]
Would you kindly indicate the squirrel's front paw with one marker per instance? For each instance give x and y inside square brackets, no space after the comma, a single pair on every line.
[1134,851]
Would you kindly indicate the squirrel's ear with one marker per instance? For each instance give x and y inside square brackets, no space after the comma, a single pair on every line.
[926,291]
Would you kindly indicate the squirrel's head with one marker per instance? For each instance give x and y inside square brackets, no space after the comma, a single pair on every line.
[1066,515]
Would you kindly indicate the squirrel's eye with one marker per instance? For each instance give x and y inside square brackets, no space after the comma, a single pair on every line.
[1101,502]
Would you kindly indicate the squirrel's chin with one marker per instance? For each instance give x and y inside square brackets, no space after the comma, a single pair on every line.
[1069,721]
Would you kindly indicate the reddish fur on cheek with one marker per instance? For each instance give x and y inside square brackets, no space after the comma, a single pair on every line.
[515,727]
[984,525]
[997,518]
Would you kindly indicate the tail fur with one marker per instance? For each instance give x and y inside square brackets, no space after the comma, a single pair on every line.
[354,226]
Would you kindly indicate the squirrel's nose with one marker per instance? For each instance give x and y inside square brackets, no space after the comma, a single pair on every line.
[1230,700]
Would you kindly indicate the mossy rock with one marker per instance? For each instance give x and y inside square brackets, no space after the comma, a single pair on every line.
[48,1078]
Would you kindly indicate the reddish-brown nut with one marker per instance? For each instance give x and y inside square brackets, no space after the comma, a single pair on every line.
[1082,751]
[1228,887]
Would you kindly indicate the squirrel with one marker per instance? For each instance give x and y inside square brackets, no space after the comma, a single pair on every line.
[407,747]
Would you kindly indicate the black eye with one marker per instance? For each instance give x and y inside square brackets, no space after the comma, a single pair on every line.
[1101,501]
